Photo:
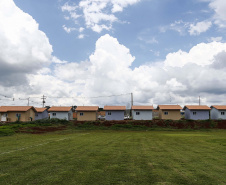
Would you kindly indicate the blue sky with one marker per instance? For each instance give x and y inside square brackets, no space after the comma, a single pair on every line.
[156,49]
[139,28]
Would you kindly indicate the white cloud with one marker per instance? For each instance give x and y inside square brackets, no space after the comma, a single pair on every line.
[215,39]
[202,54]
[81,36]
[68,30]
[219,6]
[24,48]
[179,79]
[98,14]
[200,27]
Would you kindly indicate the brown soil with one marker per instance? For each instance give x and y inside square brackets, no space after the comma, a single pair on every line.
[40,130]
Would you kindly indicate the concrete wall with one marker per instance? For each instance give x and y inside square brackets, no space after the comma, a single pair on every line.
[172,114]
[87,116]
[41,115]
[115,115]
[62,115]
[216,114]
[144,114]
[200,114]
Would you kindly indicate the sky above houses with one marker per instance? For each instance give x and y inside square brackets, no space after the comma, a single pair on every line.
[97,52]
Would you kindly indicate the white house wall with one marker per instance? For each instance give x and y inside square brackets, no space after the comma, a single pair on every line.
[216,114]
[62,115]
[144,115]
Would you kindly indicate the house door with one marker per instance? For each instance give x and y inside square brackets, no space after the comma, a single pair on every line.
[69,116]
[4,117]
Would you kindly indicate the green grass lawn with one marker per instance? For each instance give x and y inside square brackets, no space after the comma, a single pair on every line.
[114,157]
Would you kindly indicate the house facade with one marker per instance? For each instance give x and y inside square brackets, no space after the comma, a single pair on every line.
[41,113]
[196,112]
[142,112]
[17,113]
[218,112]
[87,113]
[114,112]
[61,113]
[169,112]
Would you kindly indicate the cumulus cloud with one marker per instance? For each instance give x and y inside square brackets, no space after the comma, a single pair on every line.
[219,6]
[98,14]
[200,27]
[180,79]
[24,48]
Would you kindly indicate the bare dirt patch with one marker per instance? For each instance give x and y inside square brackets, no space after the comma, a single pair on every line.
[40,130]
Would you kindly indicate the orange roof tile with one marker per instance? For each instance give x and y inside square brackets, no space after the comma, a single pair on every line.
[145,107]
[16,108]
[60,109]
[169,107]
[40,109]
[196,107]
[219,107]
[114,107]
[87,108]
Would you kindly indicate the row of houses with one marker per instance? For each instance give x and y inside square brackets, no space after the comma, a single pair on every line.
[90,113]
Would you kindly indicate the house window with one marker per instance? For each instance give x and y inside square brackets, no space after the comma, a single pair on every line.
[137,113]
[81,114]
[194,113]
[109,113]
[222,113]
[18,115]
[6,115]
[166,113]
[54,114]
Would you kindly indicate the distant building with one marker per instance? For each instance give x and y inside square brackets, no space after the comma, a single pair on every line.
[142,112]
[87,113]
[169,112]
[197,112]
[17,113]
[41,113]
[114,112]
[61,113]
[218,112]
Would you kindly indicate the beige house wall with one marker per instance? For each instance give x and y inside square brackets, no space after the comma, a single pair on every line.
[25,116]
[172,114]
[87,116]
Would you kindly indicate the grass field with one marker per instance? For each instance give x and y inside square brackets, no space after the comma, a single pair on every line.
[114,157]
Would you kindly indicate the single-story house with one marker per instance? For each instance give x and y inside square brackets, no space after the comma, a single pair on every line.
[218,112]
[169,112]
[17,113]
[61,113]
[114,112]
[87,113]
[142,112]
[197,112]
[41,113]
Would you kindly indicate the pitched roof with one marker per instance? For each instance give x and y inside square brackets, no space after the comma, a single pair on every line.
[40,109]
[16,108]
[196,107]
[146,107]
[114,107]
[60,109]
[169,107]
[219,107]
[87,108]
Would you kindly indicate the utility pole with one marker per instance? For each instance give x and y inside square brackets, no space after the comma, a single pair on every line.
[43,100]
[28,100]
[131,100]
